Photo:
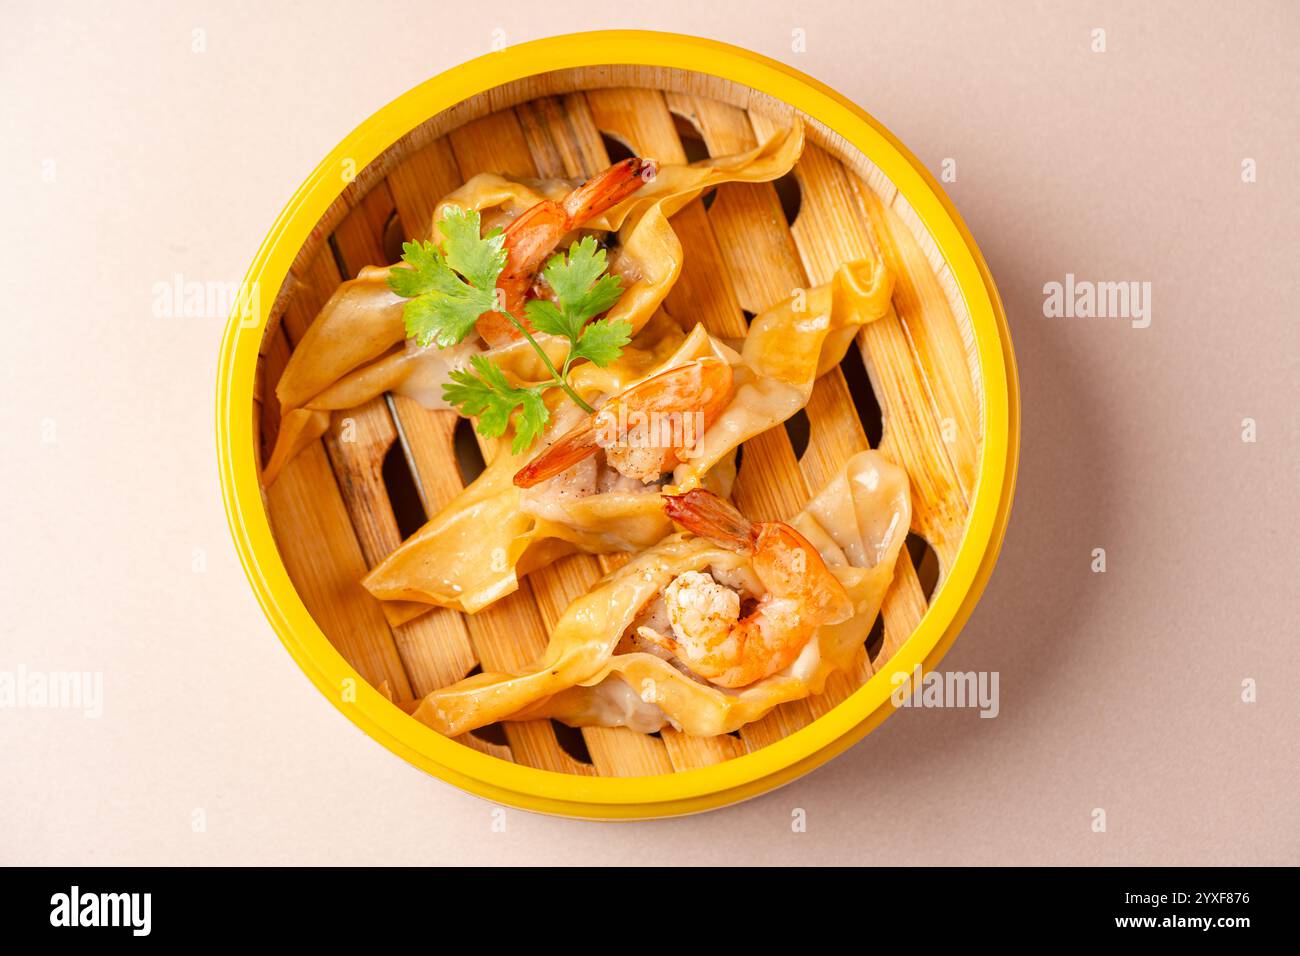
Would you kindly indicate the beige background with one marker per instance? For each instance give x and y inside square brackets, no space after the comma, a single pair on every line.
[1119,690]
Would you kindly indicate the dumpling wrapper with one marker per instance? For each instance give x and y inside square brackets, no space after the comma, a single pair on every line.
[353,350]
[475,550]
[786,349]
[858,524]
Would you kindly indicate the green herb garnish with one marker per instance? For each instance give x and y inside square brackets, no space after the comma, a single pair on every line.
[450,286]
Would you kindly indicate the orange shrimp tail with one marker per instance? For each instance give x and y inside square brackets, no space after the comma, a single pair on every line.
[604,190]
[528,240]
[532,237]
[570,448]
[703,513]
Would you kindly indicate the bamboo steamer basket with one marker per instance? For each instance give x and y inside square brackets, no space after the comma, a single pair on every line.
[933,383]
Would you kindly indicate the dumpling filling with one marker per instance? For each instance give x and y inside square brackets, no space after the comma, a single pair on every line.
[701,613]
[591,476]
[694,619]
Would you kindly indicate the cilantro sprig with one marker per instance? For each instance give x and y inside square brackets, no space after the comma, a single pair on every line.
[449,286]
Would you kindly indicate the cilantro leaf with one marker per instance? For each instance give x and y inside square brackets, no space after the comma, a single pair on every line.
[444,319]
[602,341]
[545,316]
[426,271]
[487,394]
[480,260]
[600,297]
[581,286]
[573,275]
[530,421]
[449,285]
[443,305]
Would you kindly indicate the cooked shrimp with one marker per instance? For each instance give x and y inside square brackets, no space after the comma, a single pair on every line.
[645,430]
[534,235]
[709,635]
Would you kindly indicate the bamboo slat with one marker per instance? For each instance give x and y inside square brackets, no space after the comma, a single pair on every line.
[315,536]
[512,632]
[331,509]
[564,142]
[937,341]
[703,293]
[754,247]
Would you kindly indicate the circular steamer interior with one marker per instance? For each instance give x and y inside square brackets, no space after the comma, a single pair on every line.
[911,387]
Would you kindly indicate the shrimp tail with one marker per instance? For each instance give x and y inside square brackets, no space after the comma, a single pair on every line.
[570,448]
[532,236]
[527,241]
[709,516]
[604,190]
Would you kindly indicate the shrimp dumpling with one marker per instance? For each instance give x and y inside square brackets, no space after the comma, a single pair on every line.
[715,625]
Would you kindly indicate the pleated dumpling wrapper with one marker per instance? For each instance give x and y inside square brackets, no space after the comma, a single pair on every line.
[475,550]
[356,348]
[593,674]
